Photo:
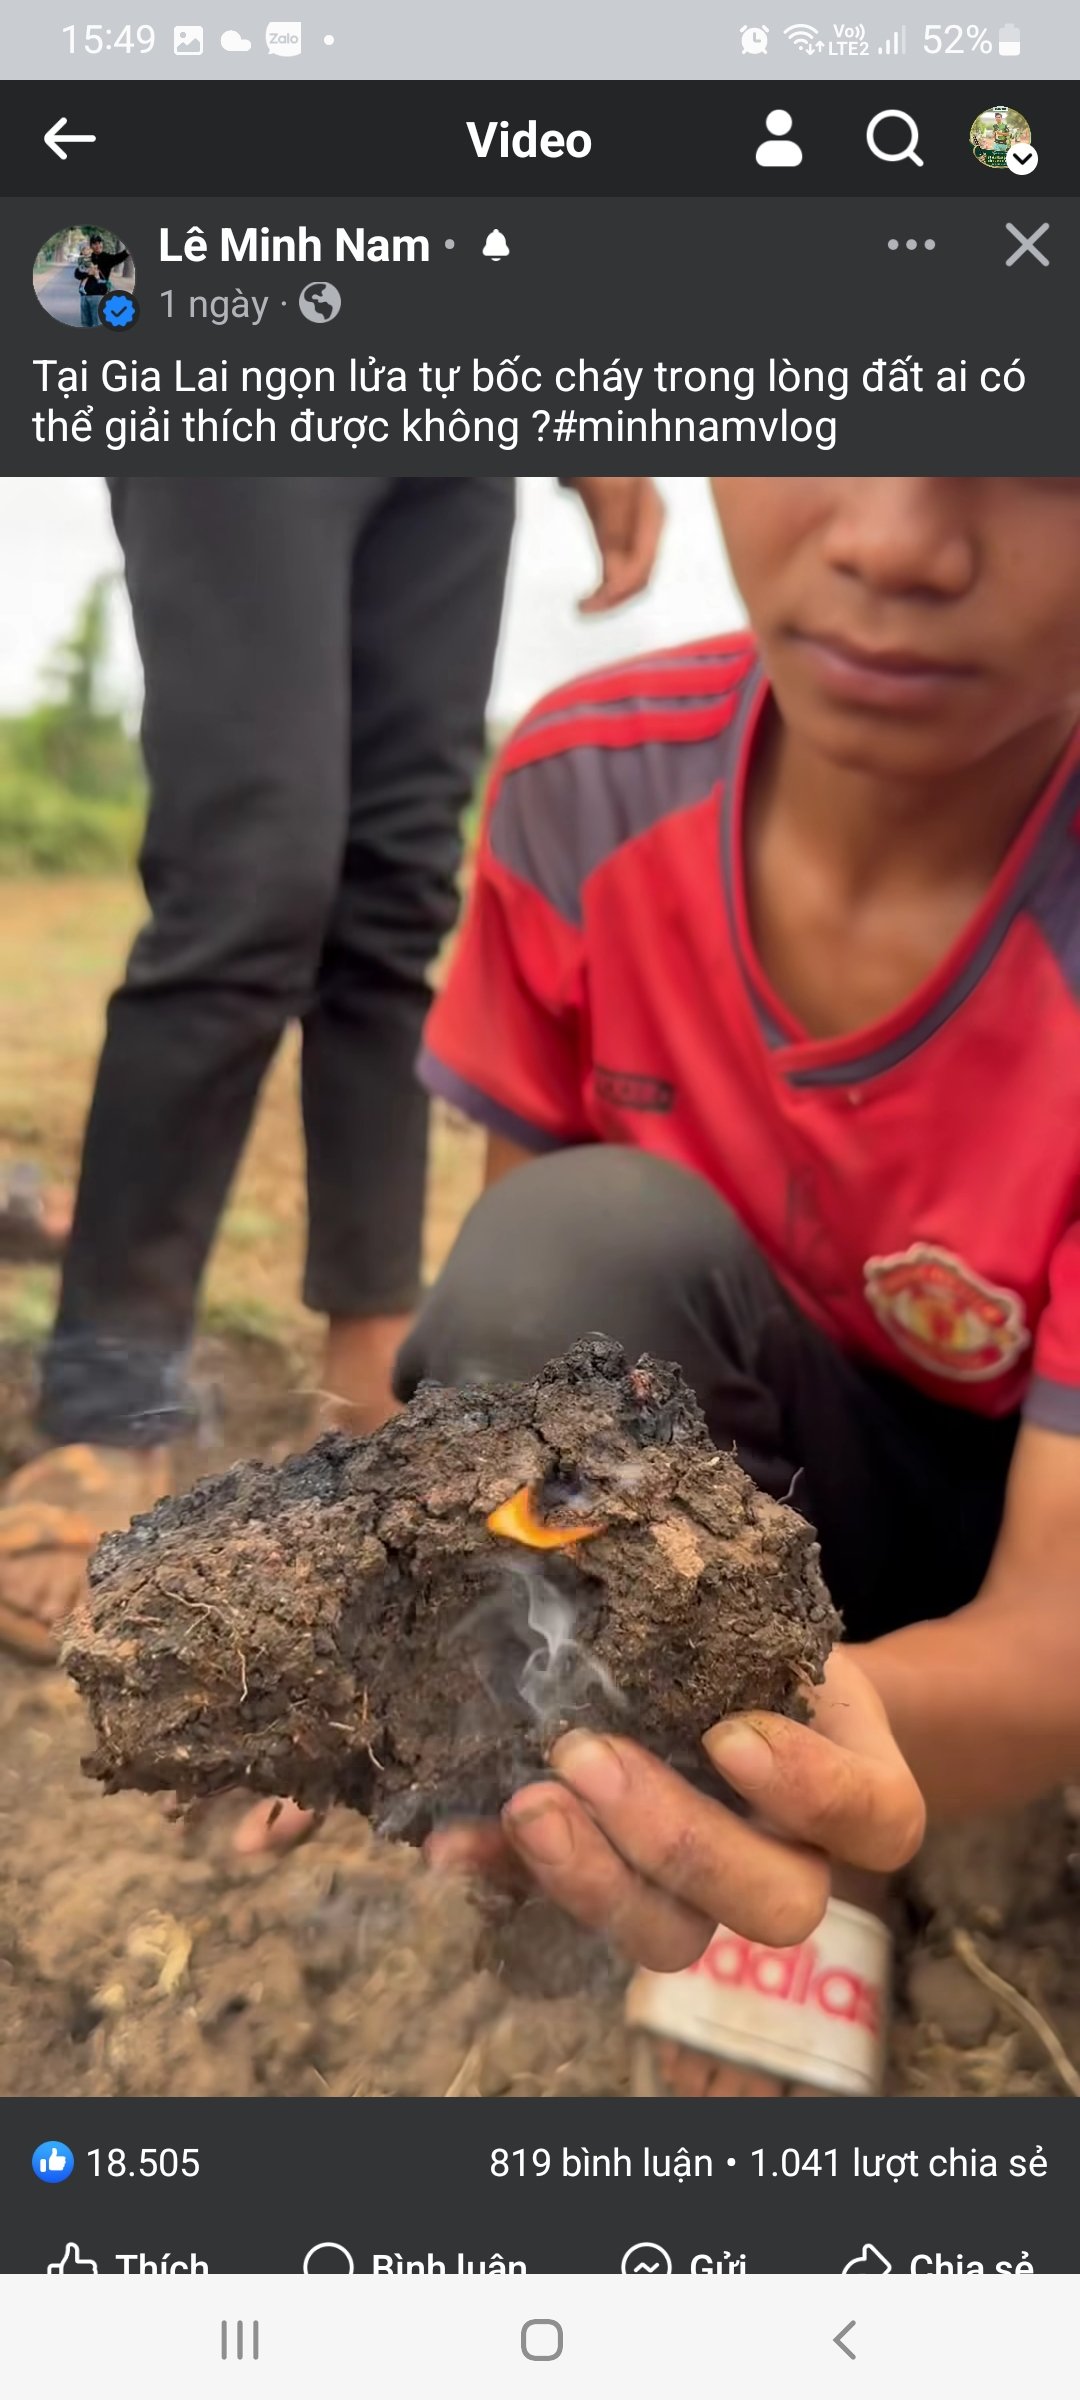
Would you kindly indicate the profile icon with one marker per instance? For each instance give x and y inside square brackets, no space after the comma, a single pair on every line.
[995,132]
[779,150]
[84,275]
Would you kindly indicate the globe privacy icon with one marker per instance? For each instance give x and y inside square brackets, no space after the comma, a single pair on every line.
[320,303]
[53,2162]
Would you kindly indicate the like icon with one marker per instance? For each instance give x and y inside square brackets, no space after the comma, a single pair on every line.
[53,2162]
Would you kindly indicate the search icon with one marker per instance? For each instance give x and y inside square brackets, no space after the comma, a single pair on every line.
[897,116]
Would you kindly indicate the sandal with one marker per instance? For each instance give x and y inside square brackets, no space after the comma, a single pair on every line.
[56,1510]
[27,1236]
[814,2016]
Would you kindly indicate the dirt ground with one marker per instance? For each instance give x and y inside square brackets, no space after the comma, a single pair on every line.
[141,1957]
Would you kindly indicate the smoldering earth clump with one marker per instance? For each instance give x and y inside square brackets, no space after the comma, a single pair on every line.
[347,1627]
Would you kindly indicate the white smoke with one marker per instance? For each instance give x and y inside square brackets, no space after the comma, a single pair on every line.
[526,1649]
[560,1676]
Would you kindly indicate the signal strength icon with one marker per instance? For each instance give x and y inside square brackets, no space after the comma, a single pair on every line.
[895,44]
[804,37]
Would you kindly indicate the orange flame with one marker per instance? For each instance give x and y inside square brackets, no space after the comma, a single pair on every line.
[516,1520]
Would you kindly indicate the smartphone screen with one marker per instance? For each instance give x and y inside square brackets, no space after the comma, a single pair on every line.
[539,1222]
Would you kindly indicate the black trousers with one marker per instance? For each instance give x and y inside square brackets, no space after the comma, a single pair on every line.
[905,1492]
[317,654]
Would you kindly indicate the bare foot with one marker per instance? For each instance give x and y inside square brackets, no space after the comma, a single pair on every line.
[52,1515]
[274,1826]
[357,1388]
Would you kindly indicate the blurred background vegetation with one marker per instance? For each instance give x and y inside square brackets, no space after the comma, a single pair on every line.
[71,780]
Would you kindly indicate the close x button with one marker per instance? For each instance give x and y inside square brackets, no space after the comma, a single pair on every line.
[1028,244]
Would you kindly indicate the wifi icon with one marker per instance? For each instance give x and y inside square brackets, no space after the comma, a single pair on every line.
[804,37]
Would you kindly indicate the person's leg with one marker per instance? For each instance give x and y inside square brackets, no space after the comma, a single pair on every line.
[427,588]
[240,593]
[239,590]
[88,308]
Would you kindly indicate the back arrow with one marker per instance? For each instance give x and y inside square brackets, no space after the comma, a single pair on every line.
[57,129]
[839,2339]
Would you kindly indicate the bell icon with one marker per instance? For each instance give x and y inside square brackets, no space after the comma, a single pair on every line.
[496,245]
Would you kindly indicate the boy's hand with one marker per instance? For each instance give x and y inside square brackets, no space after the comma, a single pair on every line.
[627,516]
[631,1850]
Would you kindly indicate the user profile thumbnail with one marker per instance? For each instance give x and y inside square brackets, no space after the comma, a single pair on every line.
[994,133]
[79,270]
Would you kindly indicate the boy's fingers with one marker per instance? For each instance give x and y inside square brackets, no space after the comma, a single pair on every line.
[692,1847]
[569,1858]
[840,1783]
[861,1813]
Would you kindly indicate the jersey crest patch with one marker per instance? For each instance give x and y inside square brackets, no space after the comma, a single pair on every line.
[943,1315]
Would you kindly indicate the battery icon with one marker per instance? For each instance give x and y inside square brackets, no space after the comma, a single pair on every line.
[1009,41]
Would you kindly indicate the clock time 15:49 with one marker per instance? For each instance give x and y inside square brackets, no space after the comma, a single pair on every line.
[101,37]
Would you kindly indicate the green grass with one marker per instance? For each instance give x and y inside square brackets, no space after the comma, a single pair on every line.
[71,799]
[45,830]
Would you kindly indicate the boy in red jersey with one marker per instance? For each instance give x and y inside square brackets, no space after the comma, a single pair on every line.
[774,951]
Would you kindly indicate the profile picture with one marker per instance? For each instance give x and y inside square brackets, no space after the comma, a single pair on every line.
[994,132]
[79,270]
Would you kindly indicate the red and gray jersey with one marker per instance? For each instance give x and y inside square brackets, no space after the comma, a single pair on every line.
[916,1185]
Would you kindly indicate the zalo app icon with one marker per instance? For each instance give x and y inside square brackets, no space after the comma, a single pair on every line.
[53,2162]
